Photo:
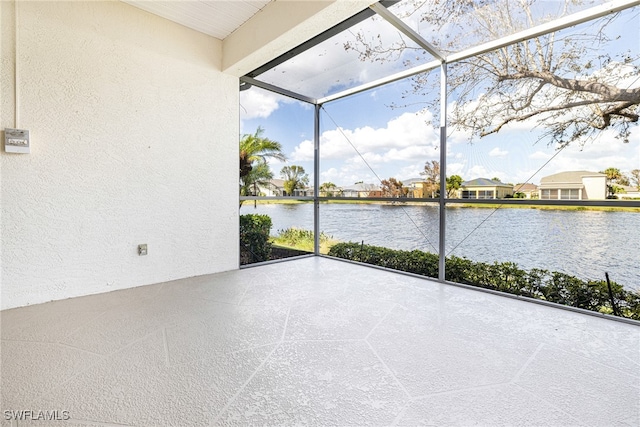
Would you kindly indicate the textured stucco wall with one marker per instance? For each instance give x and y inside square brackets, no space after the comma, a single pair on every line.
[134,140]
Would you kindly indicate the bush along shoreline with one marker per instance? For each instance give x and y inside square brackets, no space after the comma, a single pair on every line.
[254,238]
[506,277]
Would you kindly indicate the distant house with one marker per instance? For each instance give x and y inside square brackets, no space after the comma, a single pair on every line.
[530,191]
[273,188]
[362,190]
[417,188]
[303,192]
[574,185]
[483,188]
[628,192]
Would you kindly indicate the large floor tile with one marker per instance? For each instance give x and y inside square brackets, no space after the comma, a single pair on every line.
[429,357]
[334,319]
[583,388]
[495,406]
[137,386]
[31,369]
[318,383]
[225,329]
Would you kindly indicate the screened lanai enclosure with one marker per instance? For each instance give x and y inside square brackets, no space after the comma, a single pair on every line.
[487,143]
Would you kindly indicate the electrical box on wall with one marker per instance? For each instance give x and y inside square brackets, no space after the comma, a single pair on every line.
[16,141]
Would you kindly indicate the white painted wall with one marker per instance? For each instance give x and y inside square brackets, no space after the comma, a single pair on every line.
[134,140]
[595,187]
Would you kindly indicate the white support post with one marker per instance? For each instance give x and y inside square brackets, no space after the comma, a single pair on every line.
[316,180]
[443,171]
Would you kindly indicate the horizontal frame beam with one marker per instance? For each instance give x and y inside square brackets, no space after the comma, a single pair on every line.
[549,27]
[406,30]
[383,81]
[295,198]
[336,29]
[278,90]
[608,203]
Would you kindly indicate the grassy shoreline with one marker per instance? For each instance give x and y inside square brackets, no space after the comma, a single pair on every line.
[249,203]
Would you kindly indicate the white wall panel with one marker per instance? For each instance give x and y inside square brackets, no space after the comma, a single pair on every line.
[134,134]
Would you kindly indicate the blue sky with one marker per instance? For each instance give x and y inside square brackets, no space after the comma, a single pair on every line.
[396,142]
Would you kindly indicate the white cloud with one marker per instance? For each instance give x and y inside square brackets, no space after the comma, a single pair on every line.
[540,155]
[411,171]
[497,152]
[478,171]
[346,176]
[403,138]
[258,103]
[456,168]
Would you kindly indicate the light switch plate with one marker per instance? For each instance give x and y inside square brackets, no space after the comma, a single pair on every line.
[16,141]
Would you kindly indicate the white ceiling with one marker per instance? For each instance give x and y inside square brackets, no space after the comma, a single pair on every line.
[218,18]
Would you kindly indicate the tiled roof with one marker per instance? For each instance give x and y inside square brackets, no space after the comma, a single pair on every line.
[569,176]
[525,187]
[484,182]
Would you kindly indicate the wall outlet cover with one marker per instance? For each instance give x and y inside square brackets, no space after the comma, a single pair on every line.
[142,249]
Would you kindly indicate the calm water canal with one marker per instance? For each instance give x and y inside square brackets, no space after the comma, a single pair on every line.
[581,243]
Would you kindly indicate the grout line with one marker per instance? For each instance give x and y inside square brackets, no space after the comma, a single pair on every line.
[82,326]
[321,340]
[165,342]
[401,413]
[101,358]
[80,349]
[526,364]
[286,324]
[244,294]
[389,371]
[381,320]
[597,362]
[551,403]
[246,383]
[233,352]
[459,390]
[47,393]
[607,344]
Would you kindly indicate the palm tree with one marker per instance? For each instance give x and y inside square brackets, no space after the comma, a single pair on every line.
[256,148]
[254,169]
[260,174]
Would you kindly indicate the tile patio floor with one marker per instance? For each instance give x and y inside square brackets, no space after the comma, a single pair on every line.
[316,341]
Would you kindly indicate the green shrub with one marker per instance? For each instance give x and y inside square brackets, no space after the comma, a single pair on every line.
[505,277]
[423,263]
[302,239]
[254,238]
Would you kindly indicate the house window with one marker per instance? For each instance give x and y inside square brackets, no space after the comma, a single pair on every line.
[570,194]
[548,194]
[485,194]
[466,194]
